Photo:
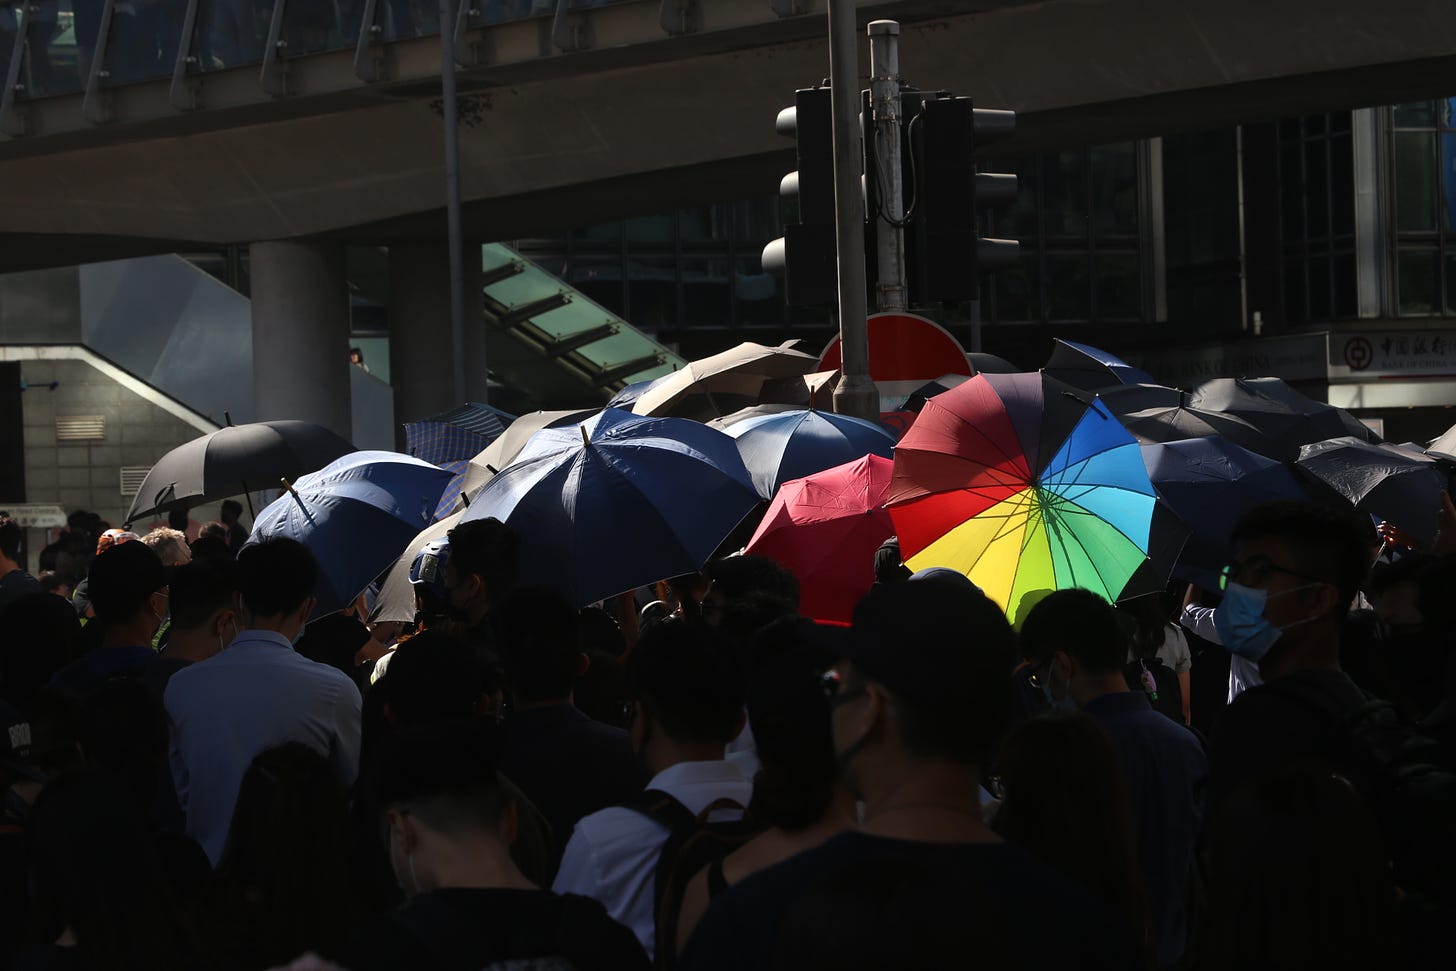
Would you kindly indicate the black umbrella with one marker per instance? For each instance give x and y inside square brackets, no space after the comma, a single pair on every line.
[1123,399]
[990,364]
[227,461]
[1091,368]
[1382,480]
[930,389]
[1279,390]
[1284,425]
[1174,424]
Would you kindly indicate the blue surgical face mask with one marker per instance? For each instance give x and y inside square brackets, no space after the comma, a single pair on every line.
[1066,705]
[1242,627]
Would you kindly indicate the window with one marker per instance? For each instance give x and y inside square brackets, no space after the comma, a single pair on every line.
[695,270]
[1423,149]
[1316,185]
[1077,217]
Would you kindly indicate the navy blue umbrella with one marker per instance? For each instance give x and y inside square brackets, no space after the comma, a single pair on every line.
[1090,368]
[1208,483]
[456,435]
[793,444]
[356,515]
[618,501]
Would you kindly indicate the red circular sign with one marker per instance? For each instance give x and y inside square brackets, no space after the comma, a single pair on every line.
[1358,353]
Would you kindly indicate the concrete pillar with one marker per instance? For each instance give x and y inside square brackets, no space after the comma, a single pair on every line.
[420,368]
[301,332]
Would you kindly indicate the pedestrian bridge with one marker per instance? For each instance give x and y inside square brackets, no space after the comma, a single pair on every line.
[131,128]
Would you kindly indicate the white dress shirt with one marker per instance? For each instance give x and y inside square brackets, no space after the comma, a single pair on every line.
[612,855]
[226,710]
[1243,673]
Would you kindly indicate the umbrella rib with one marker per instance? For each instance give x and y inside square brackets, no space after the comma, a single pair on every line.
[1064,528]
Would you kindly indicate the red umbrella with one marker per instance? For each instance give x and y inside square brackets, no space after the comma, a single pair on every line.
[824,529]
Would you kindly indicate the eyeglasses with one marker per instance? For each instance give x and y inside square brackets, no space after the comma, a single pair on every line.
[1256,570]
[1041,675]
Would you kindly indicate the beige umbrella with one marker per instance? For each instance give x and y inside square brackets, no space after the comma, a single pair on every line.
[503,451]
[738,374]
[396,600]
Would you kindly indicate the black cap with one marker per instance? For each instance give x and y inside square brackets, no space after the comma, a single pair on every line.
[932,643]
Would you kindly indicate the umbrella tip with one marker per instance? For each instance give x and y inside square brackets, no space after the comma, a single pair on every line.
[288,486]
[585,438]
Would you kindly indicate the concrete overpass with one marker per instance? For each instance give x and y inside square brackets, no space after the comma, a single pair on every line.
[583,114]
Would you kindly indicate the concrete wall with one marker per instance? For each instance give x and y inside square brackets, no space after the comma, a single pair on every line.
[88,475]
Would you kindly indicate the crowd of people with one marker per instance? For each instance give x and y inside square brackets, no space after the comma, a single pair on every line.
[197,773]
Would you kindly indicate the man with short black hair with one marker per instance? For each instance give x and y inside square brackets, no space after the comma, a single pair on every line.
[228,514]
[1078,650]
[204,610]
[14,581]
[484,561]
[1296,569]
[451,825]
[918,699]
[258,694]
[569,765]
[128,590]
[689,692]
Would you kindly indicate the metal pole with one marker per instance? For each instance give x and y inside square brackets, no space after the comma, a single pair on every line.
[452,195]
[885,104]
[856,394]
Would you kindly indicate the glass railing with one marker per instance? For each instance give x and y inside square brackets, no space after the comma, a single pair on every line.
[50,47]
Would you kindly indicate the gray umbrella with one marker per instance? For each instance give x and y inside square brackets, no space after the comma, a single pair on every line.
[233,460]
[396,600]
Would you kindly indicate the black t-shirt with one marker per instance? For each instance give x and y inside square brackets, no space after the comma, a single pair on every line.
[568,765]
[1272,727]
[1011,910]
[474,930]
[16,584]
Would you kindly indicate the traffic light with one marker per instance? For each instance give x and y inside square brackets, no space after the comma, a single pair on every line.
[804,255]
[946,250]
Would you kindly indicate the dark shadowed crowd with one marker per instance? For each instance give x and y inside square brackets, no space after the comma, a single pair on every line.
[195,775]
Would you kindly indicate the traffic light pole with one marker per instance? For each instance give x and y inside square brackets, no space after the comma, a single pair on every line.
[890,294]
[856,394]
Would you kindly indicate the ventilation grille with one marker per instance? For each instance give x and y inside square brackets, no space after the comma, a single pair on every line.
[132,477]
[81,428]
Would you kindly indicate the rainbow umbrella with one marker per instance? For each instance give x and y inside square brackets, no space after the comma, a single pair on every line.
[1025,485]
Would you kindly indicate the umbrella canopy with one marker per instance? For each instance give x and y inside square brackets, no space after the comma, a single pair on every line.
[619,501]
[1123,399]
[753,411]
[736,375]
[983,363]
[1175,424]
[396,600]
[1383,480]
[234,460]
[628,396]
[455,435]
[355,514]
[930,389]
[503,451]
[1167,537]
[1090,368]
[1209,483]
[1284,426]
[1445,446]
[1026,487]
[793,444]
[1279,390]
[824,529]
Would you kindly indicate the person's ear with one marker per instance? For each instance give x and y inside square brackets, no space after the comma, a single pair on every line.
[306,611]
[739,723]
[510,823]
[583,665]
[403,829]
